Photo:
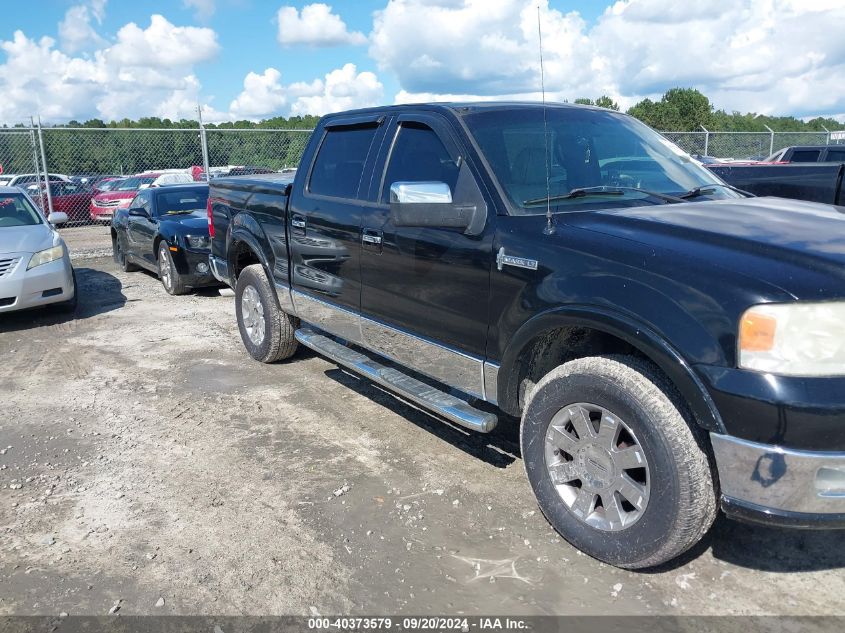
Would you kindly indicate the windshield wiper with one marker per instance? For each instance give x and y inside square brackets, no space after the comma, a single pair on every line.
[703,190]
[602,190]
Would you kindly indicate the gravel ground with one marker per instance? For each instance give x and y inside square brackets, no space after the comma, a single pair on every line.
[147,463]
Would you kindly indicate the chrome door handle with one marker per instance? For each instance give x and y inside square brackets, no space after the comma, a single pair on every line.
[368,238]
[298,222]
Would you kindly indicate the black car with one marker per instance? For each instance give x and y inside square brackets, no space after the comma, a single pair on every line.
[165,230]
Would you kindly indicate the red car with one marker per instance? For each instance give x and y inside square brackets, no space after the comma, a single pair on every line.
[68,197]
[103,205]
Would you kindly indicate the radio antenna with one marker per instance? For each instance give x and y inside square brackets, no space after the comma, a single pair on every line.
[550,229]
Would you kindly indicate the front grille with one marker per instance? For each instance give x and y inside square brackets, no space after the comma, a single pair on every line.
[107,204]
[7,265]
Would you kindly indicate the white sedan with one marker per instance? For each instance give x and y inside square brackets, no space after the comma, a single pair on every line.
[35,265]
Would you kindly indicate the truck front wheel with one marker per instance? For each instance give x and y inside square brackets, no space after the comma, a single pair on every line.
[267,332]
[615,466]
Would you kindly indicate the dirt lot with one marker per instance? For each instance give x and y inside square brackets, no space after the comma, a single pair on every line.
[147,461]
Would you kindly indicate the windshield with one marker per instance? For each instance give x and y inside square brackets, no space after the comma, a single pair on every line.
[108,185]
[130,184]
[586,149]
[177,202]
[16,210]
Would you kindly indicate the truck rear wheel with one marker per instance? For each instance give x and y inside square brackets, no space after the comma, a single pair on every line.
[615,466]
[267,332]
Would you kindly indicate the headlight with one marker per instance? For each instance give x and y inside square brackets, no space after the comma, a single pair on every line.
[46,256]
[198,241]
[794,339]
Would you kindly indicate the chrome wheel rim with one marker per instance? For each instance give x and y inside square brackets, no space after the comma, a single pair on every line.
[253,315]
[164,267]
[597,466]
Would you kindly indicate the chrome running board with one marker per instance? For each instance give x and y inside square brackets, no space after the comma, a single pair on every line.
[444,404]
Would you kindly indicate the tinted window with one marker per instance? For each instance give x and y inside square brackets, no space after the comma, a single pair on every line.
[836,155]
[177,202]
[340,162]
[15,210]
[805,156]
[418,156]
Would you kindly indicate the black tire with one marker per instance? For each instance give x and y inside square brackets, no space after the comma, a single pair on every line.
[69,306]
[275,340]
[681,500]
[170,277]
[119,254]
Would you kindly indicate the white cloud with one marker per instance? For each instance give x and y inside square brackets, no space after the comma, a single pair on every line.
[262,96]
[344,88]
[144,72]
[768,56]
[203,9]
[316,25]
[163,45]
[76,32]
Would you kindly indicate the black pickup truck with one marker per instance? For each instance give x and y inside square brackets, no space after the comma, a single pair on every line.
[671,345]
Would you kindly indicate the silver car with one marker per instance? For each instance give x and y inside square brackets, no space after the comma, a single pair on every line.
[35,265]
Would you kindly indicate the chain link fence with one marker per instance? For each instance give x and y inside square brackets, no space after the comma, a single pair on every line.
[93,171]
[743,145]
[91,168]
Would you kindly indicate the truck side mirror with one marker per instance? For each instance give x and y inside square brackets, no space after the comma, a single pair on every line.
[139,212]
[427,204]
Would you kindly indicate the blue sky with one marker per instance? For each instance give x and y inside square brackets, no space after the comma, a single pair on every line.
[769,56]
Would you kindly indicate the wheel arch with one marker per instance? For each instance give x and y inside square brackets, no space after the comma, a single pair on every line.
[559,335]
[244,250]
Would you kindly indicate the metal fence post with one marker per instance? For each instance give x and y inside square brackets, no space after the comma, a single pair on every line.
[35,161]
[204,145]
[772,140]
[706,140]
[44,165]
[827,139]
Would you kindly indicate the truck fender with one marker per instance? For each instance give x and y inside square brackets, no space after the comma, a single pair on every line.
[621,326]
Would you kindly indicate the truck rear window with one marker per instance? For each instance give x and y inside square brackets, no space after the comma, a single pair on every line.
[340,162]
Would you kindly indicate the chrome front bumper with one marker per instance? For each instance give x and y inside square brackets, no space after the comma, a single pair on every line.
[772,484]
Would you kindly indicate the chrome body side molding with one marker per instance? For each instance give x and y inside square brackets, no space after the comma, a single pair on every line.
[491,382]
[331,318]
[446,365]
[451,367]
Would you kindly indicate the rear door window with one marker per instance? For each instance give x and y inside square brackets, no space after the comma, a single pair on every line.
[340,162]
[836,155]
[805,156]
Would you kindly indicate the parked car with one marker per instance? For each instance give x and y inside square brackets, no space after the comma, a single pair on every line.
[250,171]
[669,343]
[166,231]
[107,184]
[35,267]
[813,182]
[809,154]
[103,205]
[22,180]
[70,198]
[171,179]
